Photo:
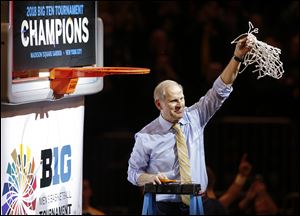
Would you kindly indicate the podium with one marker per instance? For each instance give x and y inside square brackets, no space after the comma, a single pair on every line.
[150,190]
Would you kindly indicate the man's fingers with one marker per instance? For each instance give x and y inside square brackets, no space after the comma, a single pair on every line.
[157,180]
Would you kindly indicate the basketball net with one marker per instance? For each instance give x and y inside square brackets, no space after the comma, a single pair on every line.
[266,57]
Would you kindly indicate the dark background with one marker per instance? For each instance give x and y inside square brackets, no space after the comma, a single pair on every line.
[190,42]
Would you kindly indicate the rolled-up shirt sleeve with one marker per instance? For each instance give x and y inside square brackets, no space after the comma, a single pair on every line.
[208,104]
[221,88]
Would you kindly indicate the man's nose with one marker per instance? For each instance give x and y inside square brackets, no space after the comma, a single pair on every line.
[179,104]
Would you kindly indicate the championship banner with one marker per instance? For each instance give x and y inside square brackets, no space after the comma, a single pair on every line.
[41,163]
[49,34]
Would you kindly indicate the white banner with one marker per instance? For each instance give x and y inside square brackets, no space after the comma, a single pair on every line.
[41,163]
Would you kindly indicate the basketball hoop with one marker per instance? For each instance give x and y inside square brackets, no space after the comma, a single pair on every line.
[63,80]
[265,56]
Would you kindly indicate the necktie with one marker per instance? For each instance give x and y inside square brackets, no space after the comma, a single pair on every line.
[184,162]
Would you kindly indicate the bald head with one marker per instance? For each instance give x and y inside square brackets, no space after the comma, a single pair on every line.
[160,89]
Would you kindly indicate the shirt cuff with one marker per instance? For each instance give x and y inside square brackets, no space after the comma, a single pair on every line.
[223,89]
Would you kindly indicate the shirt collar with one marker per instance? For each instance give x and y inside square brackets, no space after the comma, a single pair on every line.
[166,125]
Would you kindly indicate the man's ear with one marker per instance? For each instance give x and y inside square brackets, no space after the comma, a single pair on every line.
[158,104]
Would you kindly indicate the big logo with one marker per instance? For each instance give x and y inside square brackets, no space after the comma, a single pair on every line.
[61,168]
[18,195]
[18,192]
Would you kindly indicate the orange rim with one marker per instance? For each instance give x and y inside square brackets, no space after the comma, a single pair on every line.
[65,72]
[63,80]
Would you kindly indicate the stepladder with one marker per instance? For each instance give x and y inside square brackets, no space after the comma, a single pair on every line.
[150,191]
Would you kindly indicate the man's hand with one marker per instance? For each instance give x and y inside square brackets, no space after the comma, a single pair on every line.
[151,178]
[245,167]
[243,46]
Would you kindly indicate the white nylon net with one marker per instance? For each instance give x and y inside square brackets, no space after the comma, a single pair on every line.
[265,56]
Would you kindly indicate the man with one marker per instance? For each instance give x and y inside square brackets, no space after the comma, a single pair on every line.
[154,156]
[224,201]
[257,199]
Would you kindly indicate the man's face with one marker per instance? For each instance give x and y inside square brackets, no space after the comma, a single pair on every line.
[172,106]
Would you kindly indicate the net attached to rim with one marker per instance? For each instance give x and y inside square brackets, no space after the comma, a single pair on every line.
[266,57]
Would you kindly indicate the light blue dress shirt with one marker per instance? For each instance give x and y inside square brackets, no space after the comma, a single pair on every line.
[155,145]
